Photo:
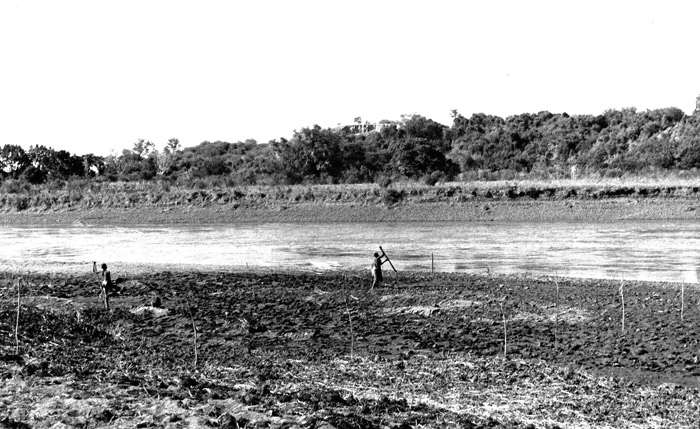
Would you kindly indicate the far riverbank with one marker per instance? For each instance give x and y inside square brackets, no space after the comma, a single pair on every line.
[472,211]
[162,203]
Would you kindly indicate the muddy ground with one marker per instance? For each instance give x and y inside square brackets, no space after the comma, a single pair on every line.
[565,210]
[324,351]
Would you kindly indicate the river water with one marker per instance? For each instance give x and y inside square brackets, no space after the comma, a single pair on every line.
[652,250]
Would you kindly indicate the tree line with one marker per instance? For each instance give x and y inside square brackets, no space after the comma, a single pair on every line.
[481,147]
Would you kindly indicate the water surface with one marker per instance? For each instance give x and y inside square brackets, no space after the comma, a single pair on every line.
[653,250]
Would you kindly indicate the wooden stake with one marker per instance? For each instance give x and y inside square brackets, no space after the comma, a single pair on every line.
[432,263]
[556,314]
[505,334]
[682,297]
[194,328]
[622,296]
[352,336]
[106,297]
[19,284]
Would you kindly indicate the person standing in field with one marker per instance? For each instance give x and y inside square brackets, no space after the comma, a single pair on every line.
[377,269]
[108,287]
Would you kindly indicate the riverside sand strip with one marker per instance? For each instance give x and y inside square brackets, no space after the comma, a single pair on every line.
[535,211]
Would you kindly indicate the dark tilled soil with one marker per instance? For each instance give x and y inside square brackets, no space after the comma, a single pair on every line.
[259,321]
[309,316]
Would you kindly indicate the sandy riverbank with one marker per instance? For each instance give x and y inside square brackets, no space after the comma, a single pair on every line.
[611,209]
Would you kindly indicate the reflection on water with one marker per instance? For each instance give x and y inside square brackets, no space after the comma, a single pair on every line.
[667,251]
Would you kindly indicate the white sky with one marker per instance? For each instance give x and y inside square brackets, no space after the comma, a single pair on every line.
[95,76]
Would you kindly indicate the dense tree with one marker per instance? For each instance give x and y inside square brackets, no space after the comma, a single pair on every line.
[48,163]
[125,166]
[418,126]
[93,165]
[143,148]
[482,146]
[313,153]
[685,141]
[475,140]
[13,160]
[414,157]
[165,159]
[626,139]
[172,146]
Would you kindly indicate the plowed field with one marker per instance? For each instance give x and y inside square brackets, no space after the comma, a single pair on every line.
[235,349]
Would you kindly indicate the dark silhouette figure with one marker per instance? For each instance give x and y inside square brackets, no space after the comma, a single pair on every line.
[377,277]
[108,287]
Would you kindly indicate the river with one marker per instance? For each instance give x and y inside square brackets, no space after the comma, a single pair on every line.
[652,250]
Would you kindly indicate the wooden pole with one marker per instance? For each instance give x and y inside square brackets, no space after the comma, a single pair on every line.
[19,284]
[432,263]
[505,333]
[556,314]
[622,296]
[682,298]
[106,296]
[352,336]
[194,328]
[387,258]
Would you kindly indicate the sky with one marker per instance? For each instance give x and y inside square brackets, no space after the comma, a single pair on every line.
[96,76]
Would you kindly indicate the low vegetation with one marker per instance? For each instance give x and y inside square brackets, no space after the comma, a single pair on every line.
[81,194]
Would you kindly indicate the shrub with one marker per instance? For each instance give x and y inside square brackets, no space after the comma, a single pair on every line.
[383,181]
[164,186]
[199,184]
[391,196]
[432,179]
[229,181]
[469,176]
[21,203]
[13,186]
[75,197]
[613,173]
[34,175]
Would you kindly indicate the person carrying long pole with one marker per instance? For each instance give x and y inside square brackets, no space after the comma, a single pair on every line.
[377,277]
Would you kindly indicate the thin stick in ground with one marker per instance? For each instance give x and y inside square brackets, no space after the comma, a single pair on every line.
[352,336]
[106,297]
[682,298]
[19,285]
[556,312]
[505,334]
[194,328]
[622,297]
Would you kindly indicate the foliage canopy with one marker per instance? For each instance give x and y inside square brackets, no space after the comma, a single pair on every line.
[543,144]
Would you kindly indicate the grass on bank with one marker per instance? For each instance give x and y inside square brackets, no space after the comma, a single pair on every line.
[89,194]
